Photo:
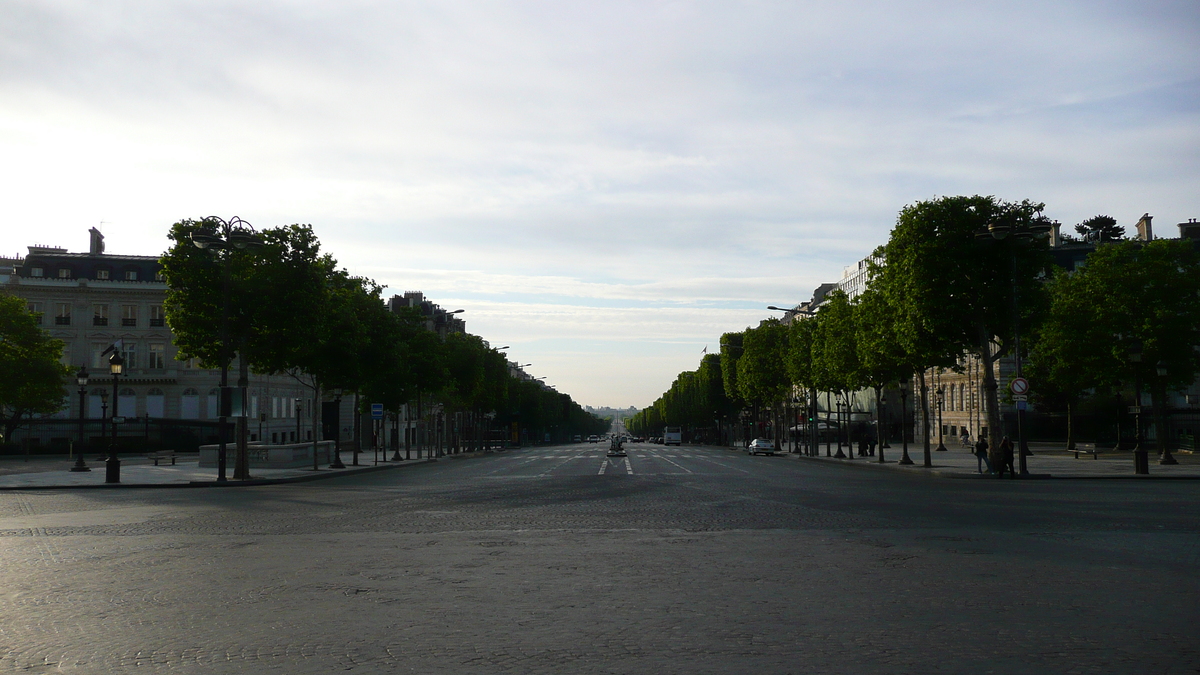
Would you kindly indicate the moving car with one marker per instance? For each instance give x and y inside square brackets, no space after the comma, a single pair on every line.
[593,439]
[761,445]
[576,438]
[672,436]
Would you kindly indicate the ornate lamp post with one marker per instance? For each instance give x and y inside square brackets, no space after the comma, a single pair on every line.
[1141,463]
[297,421]
[1160,418]
[904,459]
[879,432]
[81,378]
[103,419]
[112,466]
[216,235]
[941,401]
[337,430]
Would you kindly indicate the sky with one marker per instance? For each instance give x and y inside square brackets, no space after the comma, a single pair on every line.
[604,187]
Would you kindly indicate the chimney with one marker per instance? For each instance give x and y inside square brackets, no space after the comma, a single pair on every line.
[1055,237]
[1145,233]
[97,243]
[1189,230]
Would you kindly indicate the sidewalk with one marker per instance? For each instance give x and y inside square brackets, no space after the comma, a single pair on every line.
[1047,461]
[41,472]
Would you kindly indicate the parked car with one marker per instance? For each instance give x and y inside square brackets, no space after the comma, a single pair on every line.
[762,445]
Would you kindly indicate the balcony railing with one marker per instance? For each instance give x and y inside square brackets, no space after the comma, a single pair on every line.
[99,320]
[156,323]
[128,322]
[62,320]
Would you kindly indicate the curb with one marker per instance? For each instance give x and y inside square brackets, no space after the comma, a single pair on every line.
[958,475]
[214,484]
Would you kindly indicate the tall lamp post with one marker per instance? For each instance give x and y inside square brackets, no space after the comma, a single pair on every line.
[217,235]
[103,419]
[879,430]
[941,401]
[112,466]
[999,231]
[81,378]
[297,405]
[904,458]
[337,430]
[1141,464]
[1160,417]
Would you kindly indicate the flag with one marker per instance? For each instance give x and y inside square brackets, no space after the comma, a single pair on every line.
[114,347]
[705,350]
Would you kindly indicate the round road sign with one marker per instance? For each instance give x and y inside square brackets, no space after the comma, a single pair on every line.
[1019,385]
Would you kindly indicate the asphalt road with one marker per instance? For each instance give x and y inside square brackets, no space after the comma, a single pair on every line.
[560,560]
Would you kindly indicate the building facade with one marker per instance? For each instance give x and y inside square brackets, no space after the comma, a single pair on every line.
[92,301]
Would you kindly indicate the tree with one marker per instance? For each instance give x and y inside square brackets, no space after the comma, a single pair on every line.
[1143,298]
[881,355]
[835,361]
[955,291]
[31,375]
[761,377]
[1100,229]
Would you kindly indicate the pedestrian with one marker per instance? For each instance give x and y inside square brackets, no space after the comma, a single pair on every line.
[981,455]
[862,445]
[965,438]
[871,442]
[1006,459]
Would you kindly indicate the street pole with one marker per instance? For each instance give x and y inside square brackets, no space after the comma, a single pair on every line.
[112,466]
[1141,463]
[904,458]
[941,400]
[82,379]
[337,430]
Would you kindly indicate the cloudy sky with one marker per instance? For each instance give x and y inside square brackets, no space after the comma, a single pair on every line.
[604,186]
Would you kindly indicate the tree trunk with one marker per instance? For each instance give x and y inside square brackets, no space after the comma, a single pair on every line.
[316,403]
[1070,426]
[925,418]
[991,397]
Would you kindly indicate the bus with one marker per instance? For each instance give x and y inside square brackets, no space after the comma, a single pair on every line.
[672,436]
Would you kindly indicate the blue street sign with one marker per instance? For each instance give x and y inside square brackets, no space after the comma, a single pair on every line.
[376,411]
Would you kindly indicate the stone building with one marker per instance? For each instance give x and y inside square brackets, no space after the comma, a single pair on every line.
[94,300]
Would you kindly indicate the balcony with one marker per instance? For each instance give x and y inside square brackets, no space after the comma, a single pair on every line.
[62,320]
[99,320]
[129,322]
[156,323]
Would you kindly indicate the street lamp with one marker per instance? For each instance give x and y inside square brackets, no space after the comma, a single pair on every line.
[1038,227]
[879,435]
[941,400]
[215,235]
[103,418]
[297,402]
[904,458]
[337,430]
[81,378]
[1141,463]
[112,466]
[1160,417]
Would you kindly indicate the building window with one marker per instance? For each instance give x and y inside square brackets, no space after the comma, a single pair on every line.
[156,316]
[129,315]
[101,274]
[37,271]
[99,315]
[99,359]
[156,354]
[62,315]
[64,273]
[36,310]
[65,359]
[130,275]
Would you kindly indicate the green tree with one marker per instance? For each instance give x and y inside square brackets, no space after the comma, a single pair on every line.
[761,375]
[956,291]
[881,355]
[1144,298]
[31,376]
[1100,229]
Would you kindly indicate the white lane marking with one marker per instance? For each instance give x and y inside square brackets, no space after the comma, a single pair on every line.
[560,464]
[519,465]
[628,468]
[603,466]
[723,465]
[678,465]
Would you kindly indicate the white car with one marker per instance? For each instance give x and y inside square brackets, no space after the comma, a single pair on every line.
[761,445]
[593,439]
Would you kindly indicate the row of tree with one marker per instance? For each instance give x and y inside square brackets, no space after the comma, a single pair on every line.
[970,276]
[284,306]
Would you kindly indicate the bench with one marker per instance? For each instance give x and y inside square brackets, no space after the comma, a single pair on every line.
[162,454]
[1085,447]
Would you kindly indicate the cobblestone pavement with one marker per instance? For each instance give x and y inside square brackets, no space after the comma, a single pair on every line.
[561,560]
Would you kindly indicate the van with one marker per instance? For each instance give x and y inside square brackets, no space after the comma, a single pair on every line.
[672,436]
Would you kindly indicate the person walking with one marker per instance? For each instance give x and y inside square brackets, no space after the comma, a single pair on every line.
[981,455]
[1006,459]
